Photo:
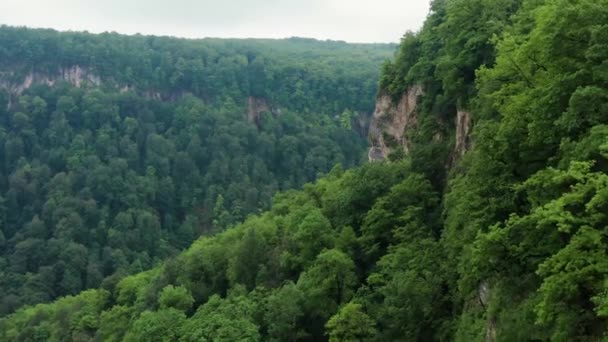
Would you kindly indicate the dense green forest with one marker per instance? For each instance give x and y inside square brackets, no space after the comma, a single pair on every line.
[118,152]
[280,275]
[506,242]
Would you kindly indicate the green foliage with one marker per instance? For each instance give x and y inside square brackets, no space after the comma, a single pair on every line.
[124,150]
[305,75]
[351,324]
[506,243]
[222,320]
[283,312]
[175,297]
[114,323]
[524,217]
[279,276]
[163,325]
[522,225]
[70,318]
[328,283]
[406,212]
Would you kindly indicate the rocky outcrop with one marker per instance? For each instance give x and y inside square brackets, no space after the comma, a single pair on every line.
[462,145]
[362,123]
[463,133]
[154,95]
[258,105]
[255,107]
[491,330]
[79,77]
[483,293]
[375,154]
[391,121]
[483,297]
[75,75]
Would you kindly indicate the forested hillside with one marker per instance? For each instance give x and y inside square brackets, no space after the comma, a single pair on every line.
[117,152]
[281,275]
[486,222]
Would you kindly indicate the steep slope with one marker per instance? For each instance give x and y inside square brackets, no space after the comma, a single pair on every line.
[523,228]
[488,224]
[117,152]
[280,275]
[391,122]
[287,73]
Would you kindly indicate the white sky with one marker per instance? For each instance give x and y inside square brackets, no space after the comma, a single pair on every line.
[349,20]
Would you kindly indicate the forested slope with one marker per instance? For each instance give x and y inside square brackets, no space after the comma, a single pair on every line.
[117,151]
[522,86]
[488,222]
[278,276]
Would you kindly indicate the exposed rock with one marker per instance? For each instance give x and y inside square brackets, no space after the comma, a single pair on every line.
[463,136]
[437,137]
[375,154]
[491,330]
[75,75]
[255,107]
[362,124]
[463,133]
[483,295]
[390,121]
[154,95]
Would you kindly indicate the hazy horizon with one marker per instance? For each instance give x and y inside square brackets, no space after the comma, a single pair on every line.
[341,20]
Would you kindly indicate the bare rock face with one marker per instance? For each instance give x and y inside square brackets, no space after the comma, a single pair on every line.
[255,107]
[491,330]
[483,295]
[75,75]
[463,143]
[154,95]
[463,133]
[375,154]
[390,123]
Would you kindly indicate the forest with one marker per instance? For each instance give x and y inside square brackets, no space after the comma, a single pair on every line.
[104,176]
[506,241]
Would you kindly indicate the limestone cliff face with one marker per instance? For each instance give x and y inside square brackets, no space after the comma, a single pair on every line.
[483,297]
[75,75]
[463,144]
[390,123]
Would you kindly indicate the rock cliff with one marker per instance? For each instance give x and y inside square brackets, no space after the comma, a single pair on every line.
[390,122]
[255,107]
[75,75]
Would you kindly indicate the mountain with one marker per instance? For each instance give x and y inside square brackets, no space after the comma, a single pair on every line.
[482,216]
[119,151]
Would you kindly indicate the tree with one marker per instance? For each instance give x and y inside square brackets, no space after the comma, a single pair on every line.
[282,313]
[222,320]
[178,298]
[326,285]
[346,118]
[114,323]
[351,324]
[313,235]
[163,325]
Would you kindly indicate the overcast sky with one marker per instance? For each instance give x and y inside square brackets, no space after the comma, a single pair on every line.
[349,20]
